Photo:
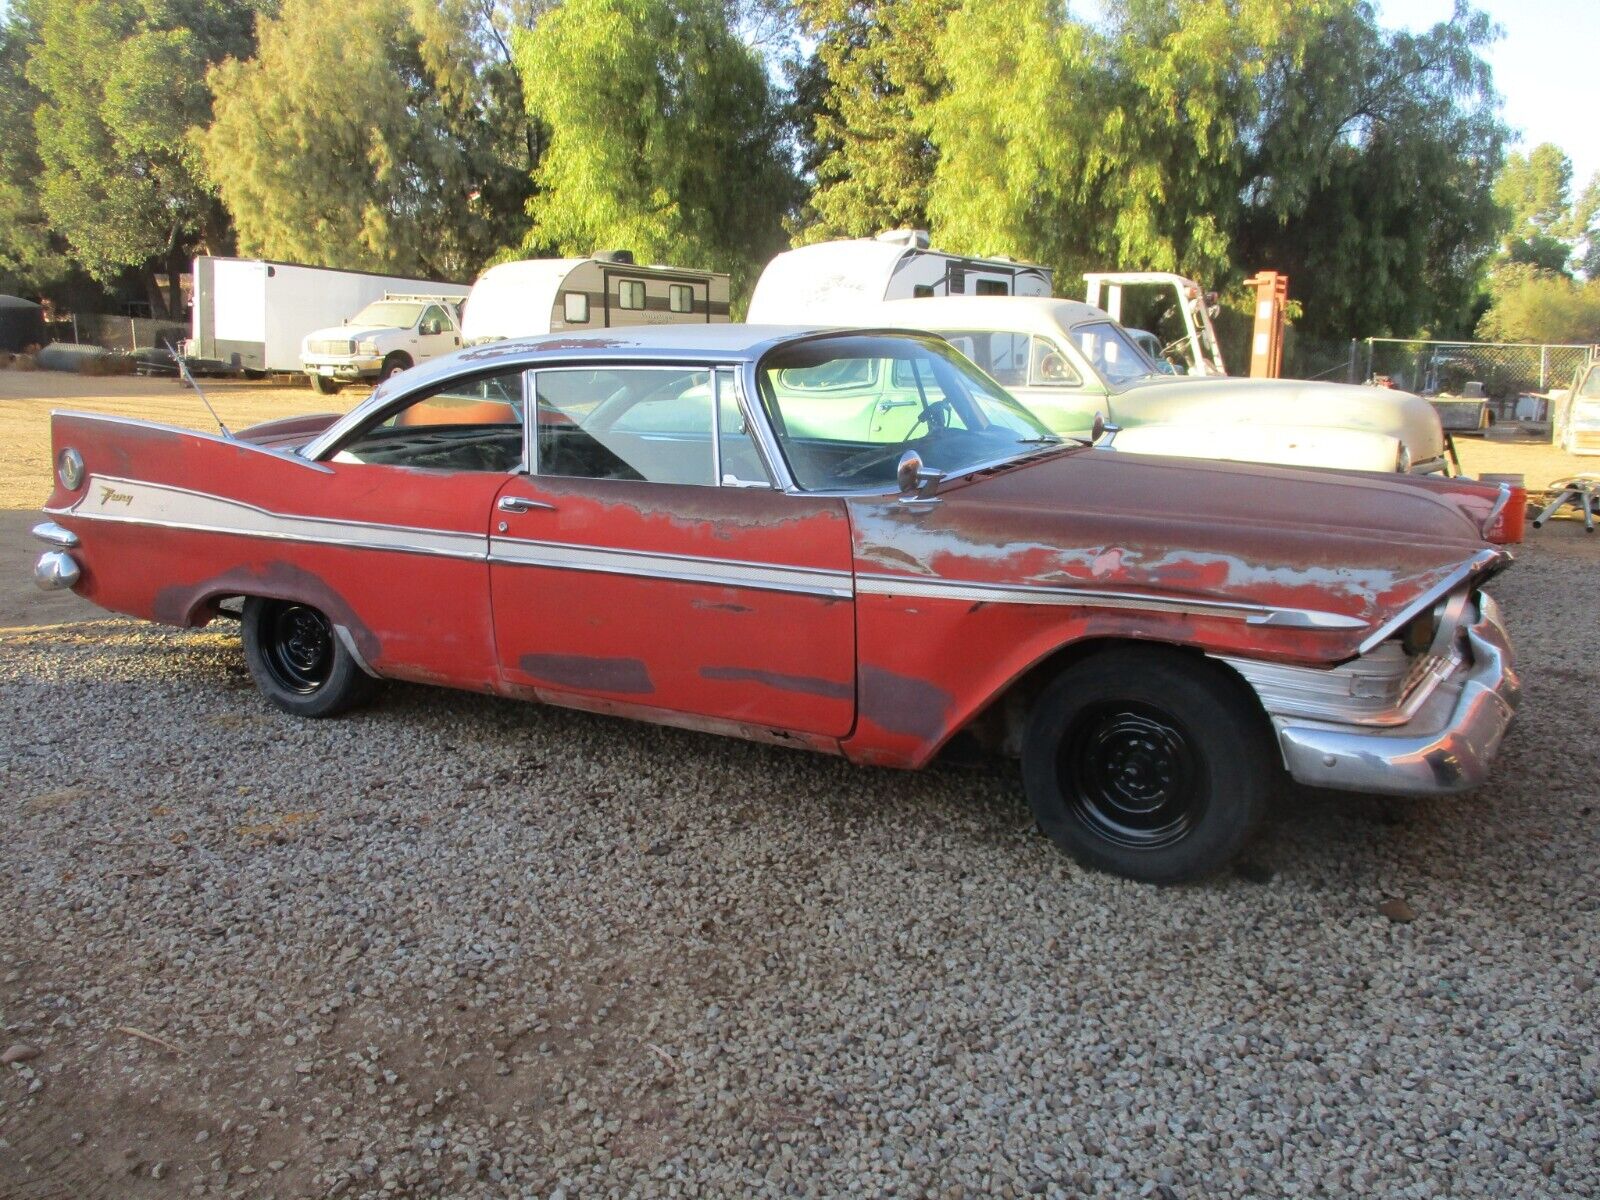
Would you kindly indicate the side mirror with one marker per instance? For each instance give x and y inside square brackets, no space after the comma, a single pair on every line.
[915,481]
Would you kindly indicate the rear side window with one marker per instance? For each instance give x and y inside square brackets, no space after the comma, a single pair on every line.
[630,294]
[575,308]
[993,287]
[680,298]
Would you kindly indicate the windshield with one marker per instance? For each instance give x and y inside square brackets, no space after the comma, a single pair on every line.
[846,408]
[388,314]
[1111,352]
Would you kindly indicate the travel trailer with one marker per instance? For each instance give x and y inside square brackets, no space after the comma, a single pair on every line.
[549,295]
[830,281]
[253,315]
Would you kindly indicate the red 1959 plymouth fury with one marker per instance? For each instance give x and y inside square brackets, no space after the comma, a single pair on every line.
[719,527]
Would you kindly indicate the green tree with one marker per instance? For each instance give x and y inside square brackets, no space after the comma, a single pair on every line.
[121,88]
[375,142]
[663,136]
[30,255]
[880,74]
[1530,305]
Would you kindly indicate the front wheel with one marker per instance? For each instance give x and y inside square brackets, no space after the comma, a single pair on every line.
[1146,764]
[323,386]
[298,661]
[393,365]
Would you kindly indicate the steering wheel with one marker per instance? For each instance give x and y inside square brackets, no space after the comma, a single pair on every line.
[937,415]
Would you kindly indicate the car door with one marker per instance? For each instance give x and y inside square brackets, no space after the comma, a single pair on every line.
[436,333]
[648,563]
[401,518]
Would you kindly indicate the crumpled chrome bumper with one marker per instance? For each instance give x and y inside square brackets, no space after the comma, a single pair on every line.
[56,570]
[1446,746]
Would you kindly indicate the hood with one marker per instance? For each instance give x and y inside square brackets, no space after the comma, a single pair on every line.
[286,433]
[1345,554]
[353,333]
[1219,402]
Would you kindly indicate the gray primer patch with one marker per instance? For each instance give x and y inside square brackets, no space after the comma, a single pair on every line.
[810,685]
[627,676]
[902,704]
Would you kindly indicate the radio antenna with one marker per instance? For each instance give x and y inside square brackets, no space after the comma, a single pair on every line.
[183,369]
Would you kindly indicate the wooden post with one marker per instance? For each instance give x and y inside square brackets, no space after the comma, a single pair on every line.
[1266,344]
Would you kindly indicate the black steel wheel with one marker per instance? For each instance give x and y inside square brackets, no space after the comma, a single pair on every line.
[1148,763]
[297,659]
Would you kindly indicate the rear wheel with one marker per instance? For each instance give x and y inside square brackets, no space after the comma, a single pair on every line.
[1146,764]
[298,661]
[323,386]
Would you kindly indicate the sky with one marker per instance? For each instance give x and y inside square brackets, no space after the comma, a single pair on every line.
[1543,69]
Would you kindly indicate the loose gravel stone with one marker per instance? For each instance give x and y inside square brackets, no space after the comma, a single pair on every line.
[712,968]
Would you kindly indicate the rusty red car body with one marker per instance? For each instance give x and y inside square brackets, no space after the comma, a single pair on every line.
[870,622]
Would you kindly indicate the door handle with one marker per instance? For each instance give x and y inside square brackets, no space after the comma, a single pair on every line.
[521,504]
[895,403]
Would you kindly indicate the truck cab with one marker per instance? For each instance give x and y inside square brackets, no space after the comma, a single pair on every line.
[383,339]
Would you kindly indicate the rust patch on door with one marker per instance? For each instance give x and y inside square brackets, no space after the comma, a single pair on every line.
[806,684]
[625,676]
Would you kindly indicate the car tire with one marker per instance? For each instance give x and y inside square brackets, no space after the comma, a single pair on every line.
[393,365]
[298,661]
[323,386]
[1147,764]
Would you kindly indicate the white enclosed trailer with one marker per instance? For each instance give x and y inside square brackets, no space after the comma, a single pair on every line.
[252,315]
[548,295]
[831,282]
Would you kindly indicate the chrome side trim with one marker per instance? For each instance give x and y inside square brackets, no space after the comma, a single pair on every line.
[56,535]
[133,502]
[349,643]
[1395,623]
[940,589]
[236,443]
[725,572]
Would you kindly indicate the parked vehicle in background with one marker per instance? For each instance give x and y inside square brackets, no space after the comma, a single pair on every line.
[1196,352]
[604,291]
[830,283]
[384,338]
[252,315]
[1157,640]
[1070,363]
[1576,425]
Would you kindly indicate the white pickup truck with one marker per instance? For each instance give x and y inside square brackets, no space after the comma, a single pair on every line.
[381,340]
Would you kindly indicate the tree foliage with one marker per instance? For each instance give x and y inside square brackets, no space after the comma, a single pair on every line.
[664,136]
[376,142]
[1530,305]
[29,252]
[121,86]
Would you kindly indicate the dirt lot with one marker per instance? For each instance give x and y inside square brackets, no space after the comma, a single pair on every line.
[454,946]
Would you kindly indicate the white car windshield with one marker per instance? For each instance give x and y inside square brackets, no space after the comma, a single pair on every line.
[388,314]
[846,408]
[1112,353]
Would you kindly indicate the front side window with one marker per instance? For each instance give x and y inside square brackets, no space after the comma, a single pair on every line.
[469,424]
[827,401]
[651,424]
[1110,352]
[680,298]
[433,320]
[630,294]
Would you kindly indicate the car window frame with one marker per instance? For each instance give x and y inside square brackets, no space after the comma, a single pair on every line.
[325,454]
[723,375]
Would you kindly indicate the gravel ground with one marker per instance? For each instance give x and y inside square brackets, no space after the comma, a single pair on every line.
[454,946]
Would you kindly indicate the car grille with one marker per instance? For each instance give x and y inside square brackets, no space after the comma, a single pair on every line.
[332,346]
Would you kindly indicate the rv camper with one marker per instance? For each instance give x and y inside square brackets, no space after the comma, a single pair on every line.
[551,295]
[831,282]
[252,315]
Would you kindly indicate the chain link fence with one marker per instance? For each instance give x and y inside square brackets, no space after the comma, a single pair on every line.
[1505,370]
[126,334]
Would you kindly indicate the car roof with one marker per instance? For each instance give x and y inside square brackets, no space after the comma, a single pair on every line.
[1004,314]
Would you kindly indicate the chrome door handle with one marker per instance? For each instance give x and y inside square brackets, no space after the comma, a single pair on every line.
[895,403]
[520,504]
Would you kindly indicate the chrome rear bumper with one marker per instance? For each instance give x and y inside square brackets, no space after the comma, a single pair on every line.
[56,570]
[1446,746]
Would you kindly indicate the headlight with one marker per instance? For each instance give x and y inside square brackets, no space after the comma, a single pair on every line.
[69,469]
[370,349]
